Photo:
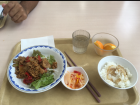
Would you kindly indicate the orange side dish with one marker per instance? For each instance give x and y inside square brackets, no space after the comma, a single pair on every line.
[98,44]
[109,46]
[74,79]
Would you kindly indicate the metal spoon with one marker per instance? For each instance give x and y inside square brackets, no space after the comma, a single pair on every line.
[1,15]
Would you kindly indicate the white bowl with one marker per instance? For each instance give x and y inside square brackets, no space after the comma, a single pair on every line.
[125,63]
[46,51]
[80,69]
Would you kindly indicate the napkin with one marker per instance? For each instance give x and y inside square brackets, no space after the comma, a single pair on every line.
[48,40]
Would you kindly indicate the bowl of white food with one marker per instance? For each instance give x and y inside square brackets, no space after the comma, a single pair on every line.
[117,72]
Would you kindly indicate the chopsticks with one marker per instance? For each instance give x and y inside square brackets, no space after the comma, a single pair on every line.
[88,82]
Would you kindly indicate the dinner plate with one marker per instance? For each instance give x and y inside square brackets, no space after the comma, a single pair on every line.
[46,51]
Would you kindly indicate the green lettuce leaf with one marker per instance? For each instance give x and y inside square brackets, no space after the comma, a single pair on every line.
[46,79]
[51,59]
[36,53]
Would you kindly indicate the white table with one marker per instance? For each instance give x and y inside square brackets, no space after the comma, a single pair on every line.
[61,19]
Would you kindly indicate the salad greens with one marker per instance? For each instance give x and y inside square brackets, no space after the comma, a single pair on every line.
[16,62]
[46,79]
[51,59]
[36,53]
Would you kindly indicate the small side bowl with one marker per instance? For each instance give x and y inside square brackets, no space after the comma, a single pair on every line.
[125,63]
[80,69]
[104,38]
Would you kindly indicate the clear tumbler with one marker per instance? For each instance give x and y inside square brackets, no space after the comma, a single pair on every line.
[80,40]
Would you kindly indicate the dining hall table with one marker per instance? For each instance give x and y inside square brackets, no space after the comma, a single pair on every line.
[62,18]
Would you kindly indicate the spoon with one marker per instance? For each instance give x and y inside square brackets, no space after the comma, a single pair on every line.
[1,15]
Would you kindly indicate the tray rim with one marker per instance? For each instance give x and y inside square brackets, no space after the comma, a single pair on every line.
[60,41]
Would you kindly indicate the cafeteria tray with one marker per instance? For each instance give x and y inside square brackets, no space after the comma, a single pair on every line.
[62,96]
[2,22]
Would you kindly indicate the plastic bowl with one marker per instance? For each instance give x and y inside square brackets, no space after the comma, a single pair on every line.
[80,69]
[104,38]
[125,63]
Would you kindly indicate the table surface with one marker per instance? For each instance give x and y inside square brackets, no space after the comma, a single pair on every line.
[62,18]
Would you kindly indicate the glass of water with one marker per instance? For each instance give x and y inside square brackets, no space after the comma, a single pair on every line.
[80,39]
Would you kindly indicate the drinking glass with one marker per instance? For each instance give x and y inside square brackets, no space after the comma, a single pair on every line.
[80,39]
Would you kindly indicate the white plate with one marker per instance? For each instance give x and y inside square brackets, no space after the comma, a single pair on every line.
[46,51]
